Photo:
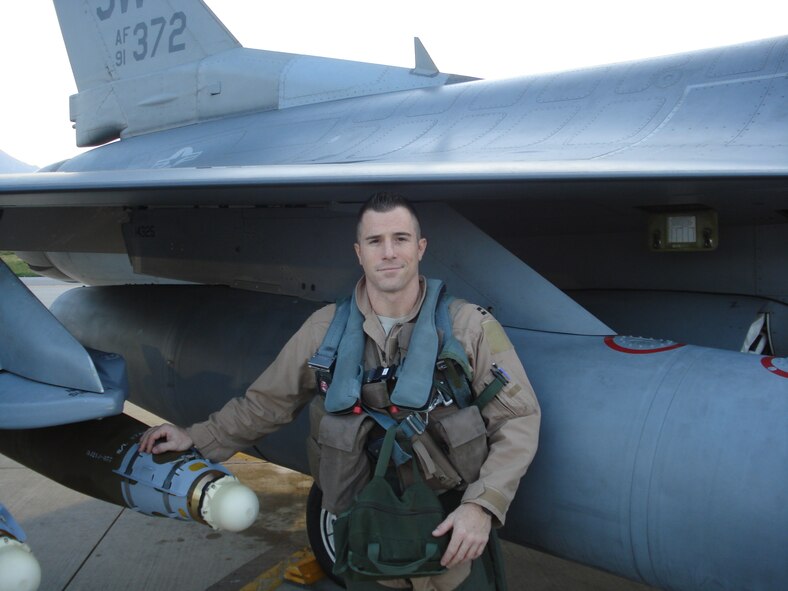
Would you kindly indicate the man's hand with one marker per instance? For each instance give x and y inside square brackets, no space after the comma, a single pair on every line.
[471,525]
[163,438]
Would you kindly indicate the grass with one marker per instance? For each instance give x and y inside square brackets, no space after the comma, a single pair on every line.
[16,264]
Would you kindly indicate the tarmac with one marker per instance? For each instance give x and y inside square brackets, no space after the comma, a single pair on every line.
[84,544]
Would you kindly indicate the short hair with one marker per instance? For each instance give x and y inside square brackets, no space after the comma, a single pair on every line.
[384,201]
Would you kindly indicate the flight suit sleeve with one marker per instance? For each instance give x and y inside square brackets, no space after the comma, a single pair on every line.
[272,400]
[512,417]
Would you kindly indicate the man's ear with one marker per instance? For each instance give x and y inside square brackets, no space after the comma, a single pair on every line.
[357,248]
[422,247]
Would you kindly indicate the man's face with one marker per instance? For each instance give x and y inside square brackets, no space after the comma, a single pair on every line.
[389,249]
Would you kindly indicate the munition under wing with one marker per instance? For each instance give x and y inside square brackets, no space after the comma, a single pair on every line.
[101,458]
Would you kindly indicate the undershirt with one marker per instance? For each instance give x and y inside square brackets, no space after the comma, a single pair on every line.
[388,323]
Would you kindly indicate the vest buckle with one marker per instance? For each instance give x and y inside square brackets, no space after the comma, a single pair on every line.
[379,374]
[321,362]
[440,398]
[412,425]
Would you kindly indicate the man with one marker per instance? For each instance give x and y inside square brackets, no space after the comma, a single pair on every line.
[390,295]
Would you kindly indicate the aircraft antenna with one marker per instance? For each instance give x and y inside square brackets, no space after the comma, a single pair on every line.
[424,64]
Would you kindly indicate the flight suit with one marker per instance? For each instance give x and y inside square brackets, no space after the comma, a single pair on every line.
[511,418]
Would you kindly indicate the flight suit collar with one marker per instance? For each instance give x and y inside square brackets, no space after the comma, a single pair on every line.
[372,326]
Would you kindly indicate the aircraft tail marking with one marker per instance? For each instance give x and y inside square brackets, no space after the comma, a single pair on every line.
[109,40]
[146,65]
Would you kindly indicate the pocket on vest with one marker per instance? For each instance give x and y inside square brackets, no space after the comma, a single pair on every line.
[344,466]
[464,437]
[317,411]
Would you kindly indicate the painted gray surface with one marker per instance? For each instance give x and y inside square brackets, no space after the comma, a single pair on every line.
[46,376]
[36,346]
[666,467]
[561,158]
[159,66]
[559,169]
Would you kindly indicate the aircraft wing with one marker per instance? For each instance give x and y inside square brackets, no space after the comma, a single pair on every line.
[645,198]
[635,135]
[310,183]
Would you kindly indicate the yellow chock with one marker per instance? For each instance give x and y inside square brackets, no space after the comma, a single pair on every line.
[301,567]
[267,581]
[305,569]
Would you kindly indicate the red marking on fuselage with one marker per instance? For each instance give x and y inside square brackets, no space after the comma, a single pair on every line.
[767,362]
[610,342]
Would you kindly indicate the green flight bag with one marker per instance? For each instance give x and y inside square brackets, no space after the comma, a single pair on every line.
[383,536]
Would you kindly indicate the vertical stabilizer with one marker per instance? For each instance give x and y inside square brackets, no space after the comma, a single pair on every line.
[143,66]
[109,40]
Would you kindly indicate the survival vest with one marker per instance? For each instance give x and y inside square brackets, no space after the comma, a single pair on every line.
[380,533]
[425,378]
[340,367]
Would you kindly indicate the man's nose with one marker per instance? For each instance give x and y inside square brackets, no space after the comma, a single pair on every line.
[388,249]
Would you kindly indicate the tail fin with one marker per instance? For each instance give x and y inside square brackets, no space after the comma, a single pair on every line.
[147,65]
[136,63]
[110,40]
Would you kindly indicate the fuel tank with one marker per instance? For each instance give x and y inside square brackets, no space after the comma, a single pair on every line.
[661,462]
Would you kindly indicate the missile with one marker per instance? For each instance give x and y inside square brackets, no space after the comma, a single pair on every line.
[19,569]
[102,459]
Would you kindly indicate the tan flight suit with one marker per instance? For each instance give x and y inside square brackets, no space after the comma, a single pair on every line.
[512,418]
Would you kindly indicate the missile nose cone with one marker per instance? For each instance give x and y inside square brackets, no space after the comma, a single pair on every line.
[229,505]
[19,569]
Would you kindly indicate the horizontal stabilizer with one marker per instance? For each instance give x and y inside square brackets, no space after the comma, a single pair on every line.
[35,345]
[27,404]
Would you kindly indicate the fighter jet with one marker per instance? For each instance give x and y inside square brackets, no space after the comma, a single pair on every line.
[627,224]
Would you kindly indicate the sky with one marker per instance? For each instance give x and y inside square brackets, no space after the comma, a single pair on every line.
[487,39]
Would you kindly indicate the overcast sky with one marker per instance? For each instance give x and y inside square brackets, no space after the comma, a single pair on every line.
[488,39]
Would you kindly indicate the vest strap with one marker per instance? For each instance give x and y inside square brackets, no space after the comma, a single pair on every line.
[339,361]
[414,382]
[398,455]
[500,379]
[326,355]
[345,387]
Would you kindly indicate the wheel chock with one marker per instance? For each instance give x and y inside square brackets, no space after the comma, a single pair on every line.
[305,570]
